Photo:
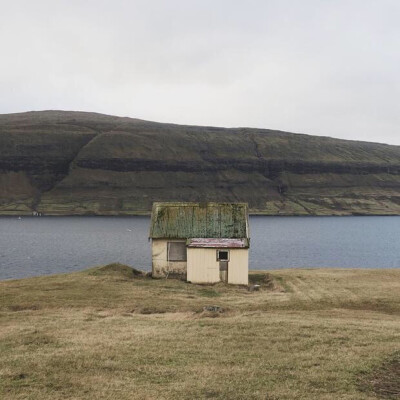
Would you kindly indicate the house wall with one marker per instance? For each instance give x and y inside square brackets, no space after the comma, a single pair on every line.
[238,267]
[161,267]
[203,267]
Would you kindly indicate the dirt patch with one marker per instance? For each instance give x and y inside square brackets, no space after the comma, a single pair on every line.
[209,314]
[20,376]
[23,307]
[265,281]
[151,310]
[384,380]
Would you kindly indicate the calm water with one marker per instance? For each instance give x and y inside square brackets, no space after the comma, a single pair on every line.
[47,245]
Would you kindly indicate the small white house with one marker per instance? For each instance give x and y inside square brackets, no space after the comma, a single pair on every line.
[202,242]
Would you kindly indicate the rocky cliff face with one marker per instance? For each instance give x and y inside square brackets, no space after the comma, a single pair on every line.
[58,162]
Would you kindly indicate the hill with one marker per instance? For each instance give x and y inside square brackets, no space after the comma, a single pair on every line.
[59,162]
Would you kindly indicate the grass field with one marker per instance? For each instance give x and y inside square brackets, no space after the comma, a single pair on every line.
[105,333]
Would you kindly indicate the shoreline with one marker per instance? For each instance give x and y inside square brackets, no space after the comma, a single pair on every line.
[252,272]
[148,214]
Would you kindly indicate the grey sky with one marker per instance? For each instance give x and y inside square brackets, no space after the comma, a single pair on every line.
[324,67]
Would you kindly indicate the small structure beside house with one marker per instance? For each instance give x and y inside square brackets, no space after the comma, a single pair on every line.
[202,242]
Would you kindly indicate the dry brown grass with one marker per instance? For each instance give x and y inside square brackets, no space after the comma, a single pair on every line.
[107,334]
[384,380]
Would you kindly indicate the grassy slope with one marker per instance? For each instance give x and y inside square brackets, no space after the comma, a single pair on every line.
[103,334]
[78,163]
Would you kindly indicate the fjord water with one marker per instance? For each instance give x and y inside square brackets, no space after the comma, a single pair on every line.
[33,246]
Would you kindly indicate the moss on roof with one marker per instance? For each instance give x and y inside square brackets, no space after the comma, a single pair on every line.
[199,220]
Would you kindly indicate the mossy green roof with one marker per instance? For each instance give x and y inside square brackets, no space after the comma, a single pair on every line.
[199,220]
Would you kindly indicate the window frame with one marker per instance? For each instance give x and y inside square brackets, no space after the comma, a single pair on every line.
[168,251]
[225,251]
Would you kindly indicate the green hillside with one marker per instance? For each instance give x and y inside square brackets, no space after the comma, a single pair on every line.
[58,162]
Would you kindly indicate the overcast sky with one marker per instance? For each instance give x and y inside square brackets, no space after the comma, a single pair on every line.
[324,67]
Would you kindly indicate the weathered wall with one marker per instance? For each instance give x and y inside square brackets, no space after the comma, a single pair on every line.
[203,267]
[238,268]
[161,267]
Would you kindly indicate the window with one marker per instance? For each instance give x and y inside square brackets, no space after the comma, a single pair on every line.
[176,251]
[222,255]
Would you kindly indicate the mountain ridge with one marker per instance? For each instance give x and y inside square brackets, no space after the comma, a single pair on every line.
[69,162]
[95,113]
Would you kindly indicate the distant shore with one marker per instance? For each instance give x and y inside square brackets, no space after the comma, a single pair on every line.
[148,214]
[68,163]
